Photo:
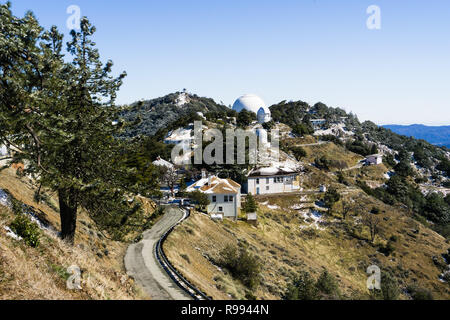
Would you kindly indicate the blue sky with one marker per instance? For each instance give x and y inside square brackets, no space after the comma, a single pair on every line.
[310,50]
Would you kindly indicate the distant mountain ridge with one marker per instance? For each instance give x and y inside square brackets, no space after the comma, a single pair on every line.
[439,135]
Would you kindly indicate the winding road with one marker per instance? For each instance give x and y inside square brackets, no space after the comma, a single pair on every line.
[142,264]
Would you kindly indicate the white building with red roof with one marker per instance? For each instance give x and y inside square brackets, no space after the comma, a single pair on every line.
[224,195]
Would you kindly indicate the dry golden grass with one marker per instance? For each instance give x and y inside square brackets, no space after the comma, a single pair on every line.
[300,141]
[374,176]
[41,273]
[285,244]
[188,256]
[332,152]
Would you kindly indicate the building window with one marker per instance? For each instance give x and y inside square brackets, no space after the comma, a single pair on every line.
[225,198]
[214,199]
[267,180]
[220,209]
[230,199]
[267,188]
[257,181]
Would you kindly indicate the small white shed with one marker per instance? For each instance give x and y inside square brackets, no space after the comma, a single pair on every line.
[374,159]
[252,216]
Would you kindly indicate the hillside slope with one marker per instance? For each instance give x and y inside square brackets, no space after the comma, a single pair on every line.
[41,273]
[287,241]
[296,233]
[180,108]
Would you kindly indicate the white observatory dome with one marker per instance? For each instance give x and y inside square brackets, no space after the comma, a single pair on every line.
[253,103]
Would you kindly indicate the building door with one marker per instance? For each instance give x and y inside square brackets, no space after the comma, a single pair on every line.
[257,191]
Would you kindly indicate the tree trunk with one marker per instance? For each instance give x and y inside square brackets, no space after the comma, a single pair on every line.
[68,206]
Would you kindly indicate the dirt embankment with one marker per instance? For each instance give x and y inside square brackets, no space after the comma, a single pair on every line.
[42,272]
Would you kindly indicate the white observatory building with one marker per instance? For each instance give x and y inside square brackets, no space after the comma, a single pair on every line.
[255,104]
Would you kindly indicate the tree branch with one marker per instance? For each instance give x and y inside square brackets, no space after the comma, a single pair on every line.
[37,142]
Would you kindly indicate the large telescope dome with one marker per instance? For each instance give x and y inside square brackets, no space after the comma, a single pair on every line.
[255,104]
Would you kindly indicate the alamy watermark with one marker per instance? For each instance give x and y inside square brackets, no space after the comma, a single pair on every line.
[374,20]
[74,20]
[74,280]
[238,146]
[374,279]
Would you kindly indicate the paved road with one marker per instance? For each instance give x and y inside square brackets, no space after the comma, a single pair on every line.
[141,263]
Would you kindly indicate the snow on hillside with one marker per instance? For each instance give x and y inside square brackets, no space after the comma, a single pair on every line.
[4,199]
[335,129]
[162,163]
[182,100]
[179,135]
[313,218]
[11,234]
[3,150]
[6,202]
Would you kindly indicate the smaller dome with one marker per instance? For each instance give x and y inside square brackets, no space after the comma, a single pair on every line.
[263,116]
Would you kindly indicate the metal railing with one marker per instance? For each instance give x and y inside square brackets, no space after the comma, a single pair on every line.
[176,276]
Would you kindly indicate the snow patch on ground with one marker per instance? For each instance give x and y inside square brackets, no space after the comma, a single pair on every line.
[12,234]
[446,274]
[182,100]
[200,114]
[335,129]
[4,199]
[273,207]
[163,163]
[179,135]
[36,220]
[320,205]
[6,202]
[389,174]
[3,150]
[313,218]
[316,216]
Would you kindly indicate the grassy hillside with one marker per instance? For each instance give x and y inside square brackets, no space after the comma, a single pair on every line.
[41,273]
[286,242]
[297,113]
[328,150]
[295,233]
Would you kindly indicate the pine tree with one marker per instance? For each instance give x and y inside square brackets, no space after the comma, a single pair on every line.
[59,118]
[250,204]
